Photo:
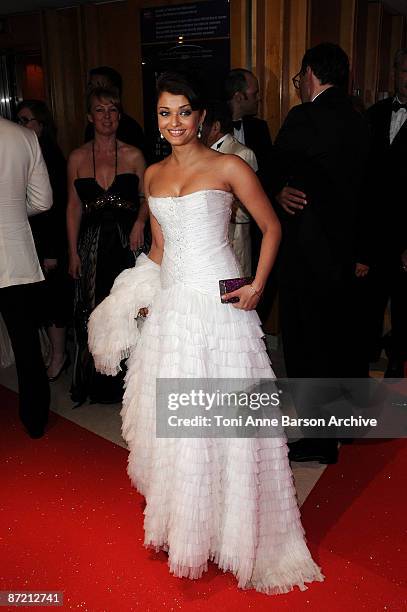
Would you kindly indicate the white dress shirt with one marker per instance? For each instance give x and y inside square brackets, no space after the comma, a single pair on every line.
[397,120]
[239,134]
[24,190]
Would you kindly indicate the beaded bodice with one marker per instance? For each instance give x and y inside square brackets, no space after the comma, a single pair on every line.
[196,246]
[122,193]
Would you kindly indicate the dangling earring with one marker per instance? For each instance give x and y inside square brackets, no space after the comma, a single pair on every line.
[161,136]
[199,134]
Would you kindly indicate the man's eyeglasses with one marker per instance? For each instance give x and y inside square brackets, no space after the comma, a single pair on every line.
[25,120]
[296,80]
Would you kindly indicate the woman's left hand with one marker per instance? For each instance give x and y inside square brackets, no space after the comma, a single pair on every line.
[50,264]
[137,236]
[248,298]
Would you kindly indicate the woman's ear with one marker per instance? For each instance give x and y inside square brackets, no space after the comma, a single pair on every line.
[90,118]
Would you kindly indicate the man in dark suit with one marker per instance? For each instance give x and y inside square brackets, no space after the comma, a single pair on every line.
[316,173]
[129,131]
[388,275]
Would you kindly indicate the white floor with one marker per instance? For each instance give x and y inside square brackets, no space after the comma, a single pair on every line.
[105,421]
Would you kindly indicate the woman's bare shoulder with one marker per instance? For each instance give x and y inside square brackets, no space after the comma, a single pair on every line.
[225,164]
[79,154]
[223,160]
[152,171]
[233,161]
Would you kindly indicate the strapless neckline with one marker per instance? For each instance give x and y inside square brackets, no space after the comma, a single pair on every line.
[193,193]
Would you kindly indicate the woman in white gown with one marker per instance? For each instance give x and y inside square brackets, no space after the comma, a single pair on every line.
[229,500]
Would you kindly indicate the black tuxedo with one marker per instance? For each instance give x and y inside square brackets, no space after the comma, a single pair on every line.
[321,149]
[387,178]
[257,137]
[388,200]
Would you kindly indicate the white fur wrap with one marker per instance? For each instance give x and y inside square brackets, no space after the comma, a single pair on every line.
[112,326]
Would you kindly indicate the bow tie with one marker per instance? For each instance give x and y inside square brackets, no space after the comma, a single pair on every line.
[237,124]
[396,106]
[218,146]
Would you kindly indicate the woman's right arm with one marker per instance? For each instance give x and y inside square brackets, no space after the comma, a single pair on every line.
[73,216]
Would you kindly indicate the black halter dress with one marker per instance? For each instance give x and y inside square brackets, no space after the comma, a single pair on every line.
[104,249]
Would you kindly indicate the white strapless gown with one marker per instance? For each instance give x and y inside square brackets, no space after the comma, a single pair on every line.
[227,500]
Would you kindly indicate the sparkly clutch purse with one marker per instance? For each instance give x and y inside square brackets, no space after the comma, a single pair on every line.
[231,284]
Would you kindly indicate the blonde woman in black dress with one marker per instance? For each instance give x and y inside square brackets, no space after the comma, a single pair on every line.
[106,218]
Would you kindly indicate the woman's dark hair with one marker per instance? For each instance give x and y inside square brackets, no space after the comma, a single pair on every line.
[181,84]
[103,93]
[329,63]
[43,115]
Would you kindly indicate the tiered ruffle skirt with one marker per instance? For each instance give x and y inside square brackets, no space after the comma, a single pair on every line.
[230,500]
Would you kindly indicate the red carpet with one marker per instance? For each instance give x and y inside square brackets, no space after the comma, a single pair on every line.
[70,521]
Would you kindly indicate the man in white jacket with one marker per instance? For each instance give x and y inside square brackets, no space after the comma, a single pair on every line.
[24,190]
[217,134]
